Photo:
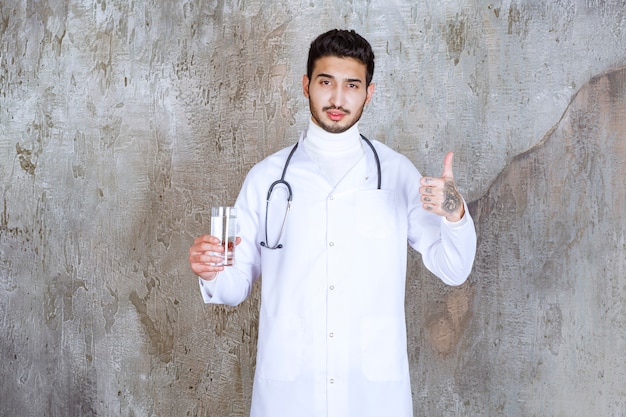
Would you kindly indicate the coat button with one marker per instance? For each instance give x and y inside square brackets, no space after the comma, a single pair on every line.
[331,244]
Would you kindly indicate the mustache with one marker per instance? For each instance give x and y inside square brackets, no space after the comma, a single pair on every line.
[346,111]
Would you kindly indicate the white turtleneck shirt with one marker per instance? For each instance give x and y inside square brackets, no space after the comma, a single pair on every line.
[336,153]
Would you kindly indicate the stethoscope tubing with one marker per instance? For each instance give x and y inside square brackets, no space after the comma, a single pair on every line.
[290,193]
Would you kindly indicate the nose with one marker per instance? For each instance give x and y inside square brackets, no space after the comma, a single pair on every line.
[337,97]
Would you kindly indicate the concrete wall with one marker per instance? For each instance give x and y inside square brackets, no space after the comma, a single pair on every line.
[121,123]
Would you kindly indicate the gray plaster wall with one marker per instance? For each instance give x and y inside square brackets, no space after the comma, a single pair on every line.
[121,123]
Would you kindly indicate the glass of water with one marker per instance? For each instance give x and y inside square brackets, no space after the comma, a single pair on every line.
[224,227]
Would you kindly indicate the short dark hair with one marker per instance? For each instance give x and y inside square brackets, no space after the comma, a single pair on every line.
[342,44]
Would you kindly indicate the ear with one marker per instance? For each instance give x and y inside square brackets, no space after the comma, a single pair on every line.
[370,92]
[305,85]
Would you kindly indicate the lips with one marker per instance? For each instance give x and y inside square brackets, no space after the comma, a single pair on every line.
[335,115]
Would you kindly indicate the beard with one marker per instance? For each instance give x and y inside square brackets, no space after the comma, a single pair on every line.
[335,127]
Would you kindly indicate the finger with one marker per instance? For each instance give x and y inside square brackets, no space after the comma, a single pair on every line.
[447,166]
[433,190]
[204,257]
[426,181]
[205,262]
[202,249]
[204,242]
[201,269]
[205,239]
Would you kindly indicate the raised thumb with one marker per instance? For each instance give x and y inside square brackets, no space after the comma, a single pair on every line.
[447,166]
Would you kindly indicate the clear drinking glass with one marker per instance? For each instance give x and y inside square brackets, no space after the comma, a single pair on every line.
[224,227]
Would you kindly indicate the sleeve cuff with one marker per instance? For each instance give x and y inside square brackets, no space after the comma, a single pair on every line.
[207,288]
[466,217]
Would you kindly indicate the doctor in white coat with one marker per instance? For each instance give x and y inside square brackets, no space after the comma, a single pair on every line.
[331,248]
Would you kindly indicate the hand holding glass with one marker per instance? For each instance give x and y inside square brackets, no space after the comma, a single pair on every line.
[224,227]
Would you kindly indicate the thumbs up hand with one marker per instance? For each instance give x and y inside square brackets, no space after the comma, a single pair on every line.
[440,196]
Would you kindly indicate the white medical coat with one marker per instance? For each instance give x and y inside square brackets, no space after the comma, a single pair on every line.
[332,335]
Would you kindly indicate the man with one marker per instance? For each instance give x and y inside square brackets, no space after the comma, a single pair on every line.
[332,336]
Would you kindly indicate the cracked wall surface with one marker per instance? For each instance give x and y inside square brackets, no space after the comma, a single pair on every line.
[562,274]
[121,123]
[539,328]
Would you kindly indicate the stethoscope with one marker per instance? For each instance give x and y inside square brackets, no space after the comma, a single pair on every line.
[283,182]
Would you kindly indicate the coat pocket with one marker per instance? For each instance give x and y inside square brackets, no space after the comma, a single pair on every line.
[280,351]
[376,216]
[383,349]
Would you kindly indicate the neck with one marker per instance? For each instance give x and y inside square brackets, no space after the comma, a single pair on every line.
[318,141]
[336,153]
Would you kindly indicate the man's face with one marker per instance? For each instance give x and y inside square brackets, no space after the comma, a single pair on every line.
[337,92]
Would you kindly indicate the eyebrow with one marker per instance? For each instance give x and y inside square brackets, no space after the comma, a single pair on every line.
[348,80]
